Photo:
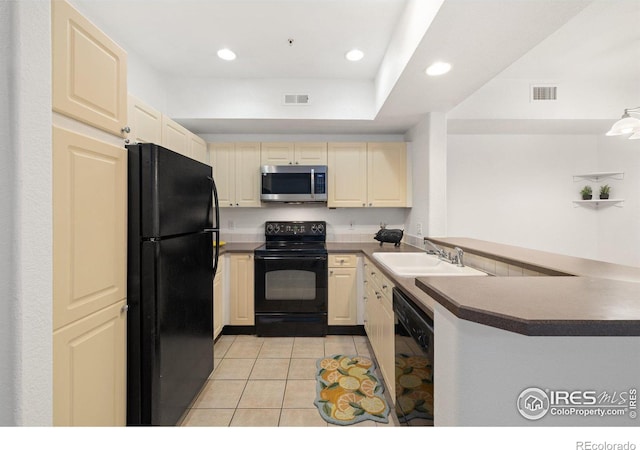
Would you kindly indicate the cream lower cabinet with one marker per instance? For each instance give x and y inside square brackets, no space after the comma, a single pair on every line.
[241,280]
[364,174]
[218,299]
[89,371]
[342,309]
[236,169]
[380,321]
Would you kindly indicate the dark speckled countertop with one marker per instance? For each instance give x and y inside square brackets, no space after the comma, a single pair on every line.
[594,299]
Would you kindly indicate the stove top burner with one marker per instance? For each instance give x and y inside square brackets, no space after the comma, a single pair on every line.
[294,238]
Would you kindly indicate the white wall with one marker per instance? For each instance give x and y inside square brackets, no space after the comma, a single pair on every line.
[263,98]
[429,173]
[146,83]
[619,228]
[518,190]
[25,218]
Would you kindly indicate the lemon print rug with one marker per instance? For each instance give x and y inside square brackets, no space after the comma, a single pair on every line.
[348,391]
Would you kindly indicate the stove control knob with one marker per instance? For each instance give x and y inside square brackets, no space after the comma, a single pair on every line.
[270,228]
[320,228]
[314,228]
[277,228]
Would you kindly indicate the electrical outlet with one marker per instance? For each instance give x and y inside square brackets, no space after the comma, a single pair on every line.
[231,225]
[419,229]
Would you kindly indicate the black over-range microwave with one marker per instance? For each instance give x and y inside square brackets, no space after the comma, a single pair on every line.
[294,184]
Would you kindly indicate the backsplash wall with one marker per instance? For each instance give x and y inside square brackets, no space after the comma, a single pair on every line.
[343,224]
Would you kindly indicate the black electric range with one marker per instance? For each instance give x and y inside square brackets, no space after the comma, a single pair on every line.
[291,280]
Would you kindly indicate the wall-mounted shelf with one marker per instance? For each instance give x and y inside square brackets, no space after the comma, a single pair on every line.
[597,176]
[618,202]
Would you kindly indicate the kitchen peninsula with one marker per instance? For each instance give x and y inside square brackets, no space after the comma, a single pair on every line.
[577,334]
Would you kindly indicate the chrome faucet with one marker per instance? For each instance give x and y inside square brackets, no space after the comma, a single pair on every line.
[458,259]
[435,249]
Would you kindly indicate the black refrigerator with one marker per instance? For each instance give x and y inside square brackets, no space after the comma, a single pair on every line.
[173,224]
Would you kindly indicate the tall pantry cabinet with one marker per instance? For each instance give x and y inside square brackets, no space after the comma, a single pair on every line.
[89,222]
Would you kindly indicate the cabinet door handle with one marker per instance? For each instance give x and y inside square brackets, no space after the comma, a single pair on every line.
[124,309]
[126,129]
[331,272]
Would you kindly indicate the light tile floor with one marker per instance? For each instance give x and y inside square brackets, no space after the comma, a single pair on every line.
[270,381]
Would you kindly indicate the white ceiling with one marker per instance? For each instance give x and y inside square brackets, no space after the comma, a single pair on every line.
[481,38]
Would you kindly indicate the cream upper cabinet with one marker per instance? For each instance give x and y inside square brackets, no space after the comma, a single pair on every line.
[236,170]
[342,308]
[175,137]
[222,157]
[241,280]
[276,153]
[289,153]
[367,174]
[145,122]
[347,174]
[386,174]
[89,71]
[198,148]
[311,153]
[89,225]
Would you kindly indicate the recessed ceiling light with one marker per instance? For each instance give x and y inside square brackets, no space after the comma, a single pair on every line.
[438,68]
[354,55]
[226,54]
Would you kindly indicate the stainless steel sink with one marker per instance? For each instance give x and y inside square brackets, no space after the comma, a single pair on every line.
[420,264]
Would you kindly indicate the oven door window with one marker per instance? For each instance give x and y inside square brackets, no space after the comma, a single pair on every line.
[290,285]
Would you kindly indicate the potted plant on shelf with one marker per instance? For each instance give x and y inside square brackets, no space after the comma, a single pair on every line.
[604,192]
[586,193]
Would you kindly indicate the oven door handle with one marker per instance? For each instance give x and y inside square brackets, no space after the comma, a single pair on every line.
[280,258]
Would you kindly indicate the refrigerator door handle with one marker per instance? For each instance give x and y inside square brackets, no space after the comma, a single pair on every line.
[216,205]
[216,224]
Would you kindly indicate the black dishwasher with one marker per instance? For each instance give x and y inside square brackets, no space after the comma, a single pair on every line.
[414,362]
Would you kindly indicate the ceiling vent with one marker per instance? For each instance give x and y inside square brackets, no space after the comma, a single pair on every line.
[546,92]
[296,99]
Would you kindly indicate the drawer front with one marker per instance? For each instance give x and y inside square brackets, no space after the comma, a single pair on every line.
[342,260]
[386,286]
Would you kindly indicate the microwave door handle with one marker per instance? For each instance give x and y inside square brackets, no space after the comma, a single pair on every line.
[313,183]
